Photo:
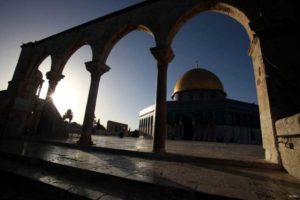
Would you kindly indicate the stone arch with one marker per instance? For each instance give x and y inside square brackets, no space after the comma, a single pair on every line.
[31,73]
[119,39]
[42,59]
[59,61]
[118,35]
[35,63]
[245,17]
[224,8]
[73,66]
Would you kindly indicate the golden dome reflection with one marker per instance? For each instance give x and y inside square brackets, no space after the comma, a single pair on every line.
[198,79]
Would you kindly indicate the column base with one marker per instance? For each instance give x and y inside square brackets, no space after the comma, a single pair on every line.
[85,139]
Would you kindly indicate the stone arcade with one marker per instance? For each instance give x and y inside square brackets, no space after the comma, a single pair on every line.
[272,27]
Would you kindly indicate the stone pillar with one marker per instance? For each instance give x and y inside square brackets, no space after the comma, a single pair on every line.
[53,78]
[96,69]
[151,126]
[148,126]
[143,126]
[265,108]
[164,56]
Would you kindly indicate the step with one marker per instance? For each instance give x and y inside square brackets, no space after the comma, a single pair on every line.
[67,182]
[194,177]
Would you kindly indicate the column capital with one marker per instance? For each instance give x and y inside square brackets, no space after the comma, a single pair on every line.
[96,68]
[54,76]
[163,54]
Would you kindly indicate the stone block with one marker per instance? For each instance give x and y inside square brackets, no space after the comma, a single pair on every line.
[289,144]
[288,126]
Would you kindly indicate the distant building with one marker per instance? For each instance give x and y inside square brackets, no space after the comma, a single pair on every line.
[200,111]
[115,128]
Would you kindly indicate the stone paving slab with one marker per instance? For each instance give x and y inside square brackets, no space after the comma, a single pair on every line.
[183,155]
[190,148]
[238,182]
[181,151]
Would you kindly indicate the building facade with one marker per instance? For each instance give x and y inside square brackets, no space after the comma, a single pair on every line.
[116,128]
[200,111]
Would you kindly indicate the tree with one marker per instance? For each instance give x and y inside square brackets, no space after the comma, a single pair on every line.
[68,115]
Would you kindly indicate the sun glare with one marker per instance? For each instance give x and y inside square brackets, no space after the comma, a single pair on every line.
[65,97]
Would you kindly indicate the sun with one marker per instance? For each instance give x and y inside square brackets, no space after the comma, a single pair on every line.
[65,97]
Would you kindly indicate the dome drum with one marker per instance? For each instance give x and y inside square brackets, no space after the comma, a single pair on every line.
[196,95]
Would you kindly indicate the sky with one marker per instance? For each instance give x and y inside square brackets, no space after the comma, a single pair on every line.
[217,42]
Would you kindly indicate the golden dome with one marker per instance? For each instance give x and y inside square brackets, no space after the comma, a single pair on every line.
[198,79]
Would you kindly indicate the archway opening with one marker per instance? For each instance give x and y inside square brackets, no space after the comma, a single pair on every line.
[44,67]
[129,85]
[217,43]
[72,91]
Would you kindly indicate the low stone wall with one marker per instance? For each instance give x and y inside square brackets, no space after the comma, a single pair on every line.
[288,136]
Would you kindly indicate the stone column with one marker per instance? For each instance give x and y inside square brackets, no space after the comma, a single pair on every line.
[265,107]
[164,56]
[140,126]
[96,69]
[143,126]
[147,126]
[151,122]
[53,78]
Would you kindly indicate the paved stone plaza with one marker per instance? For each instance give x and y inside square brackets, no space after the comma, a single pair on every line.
[220,179]
[191,148]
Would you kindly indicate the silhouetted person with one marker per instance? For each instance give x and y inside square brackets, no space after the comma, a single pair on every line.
[122,133]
